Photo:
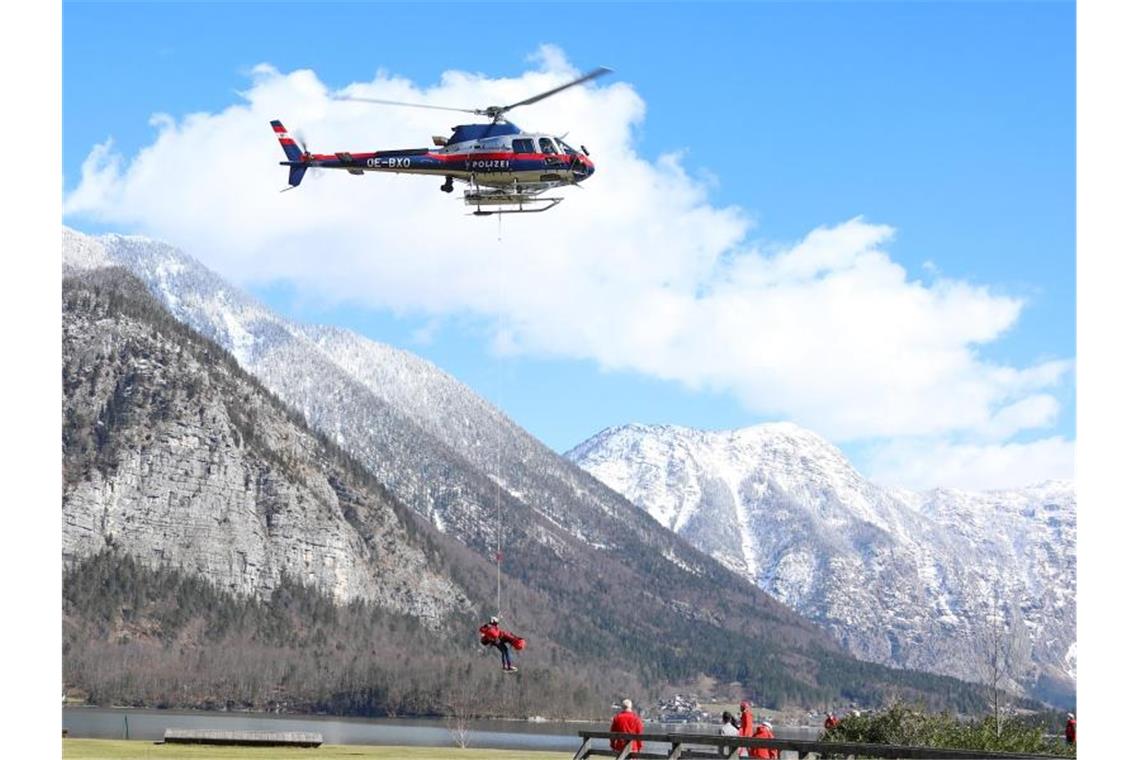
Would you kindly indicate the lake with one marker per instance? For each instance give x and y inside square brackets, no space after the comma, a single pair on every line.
[112,723]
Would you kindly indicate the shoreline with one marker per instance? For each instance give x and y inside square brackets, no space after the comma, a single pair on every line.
[122,749]
[530,719]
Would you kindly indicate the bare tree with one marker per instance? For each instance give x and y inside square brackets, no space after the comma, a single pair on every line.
[464,699]
[1002,653]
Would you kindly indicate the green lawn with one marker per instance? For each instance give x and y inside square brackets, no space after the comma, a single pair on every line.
[107,749]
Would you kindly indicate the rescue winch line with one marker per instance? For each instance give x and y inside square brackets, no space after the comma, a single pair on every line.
[499,444]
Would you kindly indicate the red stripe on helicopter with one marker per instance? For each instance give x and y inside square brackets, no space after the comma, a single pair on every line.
[332,156]
[453,157]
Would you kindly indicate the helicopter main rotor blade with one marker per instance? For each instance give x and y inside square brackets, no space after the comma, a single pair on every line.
[601,70]
[495,112]
[476,111]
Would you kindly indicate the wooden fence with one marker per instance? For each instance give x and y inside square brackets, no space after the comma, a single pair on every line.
[710,746]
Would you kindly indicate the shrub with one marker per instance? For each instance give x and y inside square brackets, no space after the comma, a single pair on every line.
[913,726]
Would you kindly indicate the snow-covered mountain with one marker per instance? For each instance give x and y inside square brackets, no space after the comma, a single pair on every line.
[439,446]
[901,578]
[287,357]
[574,550]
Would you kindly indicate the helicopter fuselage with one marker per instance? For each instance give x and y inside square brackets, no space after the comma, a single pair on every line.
[497,155]
[508,169]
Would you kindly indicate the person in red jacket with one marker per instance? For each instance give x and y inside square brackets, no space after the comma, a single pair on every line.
[745,724]
[625,722]
[831,722]
[1071,730]
[491,635]
[764,731]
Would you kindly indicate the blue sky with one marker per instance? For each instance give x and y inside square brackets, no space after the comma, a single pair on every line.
[954,124]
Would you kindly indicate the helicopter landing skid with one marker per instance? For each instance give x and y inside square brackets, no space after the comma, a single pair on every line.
[481,200]
[551,203]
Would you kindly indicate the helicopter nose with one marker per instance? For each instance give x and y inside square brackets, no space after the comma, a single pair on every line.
[584,168]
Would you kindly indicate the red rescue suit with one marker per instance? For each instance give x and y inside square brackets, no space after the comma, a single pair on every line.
[491,634]
[625,722]
[745,723]
[763,732]
[1071,731]
[830,723]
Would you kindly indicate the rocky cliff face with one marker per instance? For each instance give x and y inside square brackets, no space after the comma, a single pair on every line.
[176,455]
[437,445]
[1022,544]
[900,578]
[597,577]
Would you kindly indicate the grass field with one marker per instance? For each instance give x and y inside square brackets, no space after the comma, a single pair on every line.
[107,749]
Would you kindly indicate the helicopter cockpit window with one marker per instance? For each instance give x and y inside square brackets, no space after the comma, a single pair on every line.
[567,149]
[547,146]
[523,145]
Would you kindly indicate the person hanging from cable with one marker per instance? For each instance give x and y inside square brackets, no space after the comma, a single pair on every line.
[490,634]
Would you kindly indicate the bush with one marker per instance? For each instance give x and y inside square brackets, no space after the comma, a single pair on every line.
[911,725]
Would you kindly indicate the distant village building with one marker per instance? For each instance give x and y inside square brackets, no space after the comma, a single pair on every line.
[680,708]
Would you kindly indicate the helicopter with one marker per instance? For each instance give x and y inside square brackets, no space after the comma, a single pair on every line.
[508,170]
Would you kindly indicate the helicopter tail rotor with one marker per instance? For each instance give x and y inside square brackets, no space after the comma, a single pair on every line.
[301,141]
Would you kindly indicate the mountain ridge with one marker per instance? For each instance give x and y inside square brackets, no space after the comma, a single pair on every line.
[783,507]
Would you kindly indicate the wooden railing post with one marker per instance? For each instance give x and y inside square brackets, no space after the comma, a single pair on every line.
[584,750]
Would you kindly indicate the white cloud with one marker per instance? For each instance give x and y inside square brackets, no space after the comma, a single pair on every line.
[638,270]
[921,464]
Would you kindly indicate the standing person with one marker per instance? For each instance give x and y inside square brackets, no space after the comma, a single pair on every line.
[728,727]
[764,731]
[745,723]
[831,722]
[625,722]
[1071,730]
[491,635]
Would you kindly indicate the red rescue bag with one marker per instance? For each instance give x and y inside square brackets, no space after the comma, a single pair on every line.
[518,642]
